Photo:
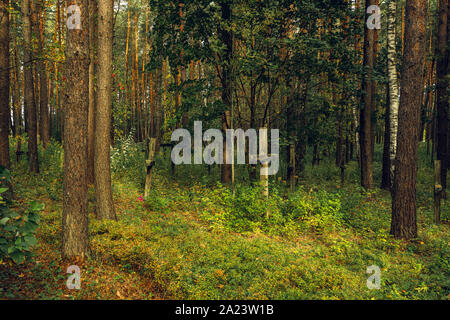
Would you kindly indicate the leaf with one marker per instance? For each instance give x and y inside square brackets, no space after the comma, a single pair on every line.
[2,190]
[29,226]
[4,221]
[36,206]
[30,240]
[18,257]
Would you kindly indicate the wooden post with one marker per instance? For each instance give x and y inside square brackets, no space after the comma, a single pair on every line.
[150,163]
[291,168]
[263,158]
[437,191]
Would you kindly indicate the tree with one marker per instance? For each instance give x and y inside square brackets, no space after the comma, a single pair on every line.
[403,224]
[226,37]
[4,84]
[28,88]
[92,88]
[75,240]
[44,127]
[103,192]
[368,104]
[393,87]
[441,90]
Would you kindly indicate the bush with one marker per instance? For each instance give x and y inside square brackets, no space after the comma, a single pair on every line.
[128,159]
[156,202]
[17,231]
[317,211]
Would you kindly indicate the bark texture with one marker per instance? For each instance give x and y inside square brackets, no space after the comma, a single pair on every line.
[404,224]
[441,90]
[393,87]
[4,84]
[76,96]
[44,123]
[29,99]
[103,192]
[227,39]
[92,89]
[368,103]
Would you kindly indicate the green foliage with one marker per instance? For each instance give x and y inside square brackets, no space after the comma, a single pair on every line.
[17,231]
[128,159]
[318,212]
[156,202]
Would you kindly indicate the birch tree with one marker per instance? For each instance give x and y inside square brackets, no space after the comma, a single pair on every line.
[393,86]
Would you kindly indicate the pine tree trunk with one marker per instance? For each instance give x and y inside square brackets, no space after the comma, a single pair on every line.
[404,223]
[227,40]
[43,83]
[442,90]
[75,240]
[30,104]
[366,131]
[103,192]
[4,84]
[92,89]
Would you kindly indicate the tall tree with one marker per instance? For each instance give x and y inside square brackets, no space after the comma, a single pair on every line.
[44,127]
[404,223]
[4,84]
[226,79]
[28,88]
[92,88]
[103,192]
[76,95]
[393,86]
[368,103]
[441,89]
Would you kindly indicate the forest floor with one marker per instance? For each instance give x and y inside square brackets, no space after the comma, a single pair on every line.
[193,239]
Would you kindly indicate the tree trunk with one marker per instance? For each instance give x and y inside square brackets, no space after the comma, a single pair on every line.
[75,240]
[28,89]
[103,192]
[441,90]
[368,103]
[386,181]
[156,107]
[92,89]
[227,39]
[43,83]
[4,84]
[393,87]
[404,223]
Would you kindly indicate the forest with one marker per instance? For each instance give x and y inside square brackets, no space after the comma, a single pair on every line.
[224,150]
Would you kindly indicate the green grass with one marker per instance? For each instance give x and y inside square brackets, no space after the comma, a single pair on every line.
[195,240]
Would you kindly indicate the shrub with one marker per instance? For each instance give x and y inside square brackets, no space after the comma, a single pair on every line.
[17,231]
[315,211]
[156,202]
[128,159]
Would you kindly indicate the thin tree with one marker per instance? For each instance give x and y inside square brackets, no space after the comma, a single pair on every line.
[28,88]
[4,84]
[393,87]
[404,224]
[227,39]
[441,90]
[44,127]
[103,192]
[75,240]
[368,104]
[92,89]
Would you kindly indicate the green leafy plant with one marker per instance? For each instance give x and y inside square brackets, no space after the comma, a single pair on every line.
[17,231]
